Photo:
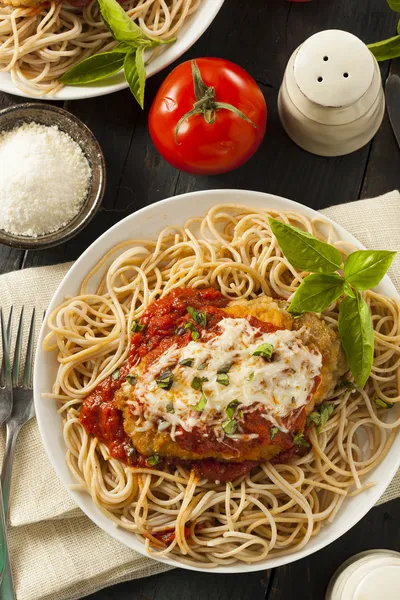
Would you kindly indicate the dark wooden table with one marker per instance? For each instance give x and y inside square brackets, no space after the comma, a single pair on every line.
[259,35]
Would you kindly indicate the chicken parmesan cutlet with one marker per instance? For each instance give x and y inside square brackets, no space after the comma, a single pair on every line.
[216,385]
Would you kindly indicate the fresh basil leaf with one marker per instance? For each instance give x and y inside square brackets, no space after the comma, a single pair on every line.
[394,5]
[115,375]
[232,406]
[187,362]
[199,317]
[153,460]
[170,408]
[94,68]
[223,379]
[135,327]
[251,376]
[304,251]
[264,350]
[201,403]
[135,73]
[357,334]
[121,25]
[229,426]
[300,440]
[131,379]
[383,403]
[316,293]
[364,269]
[273,432]
[398,27]
[386,49]
[165,379]
[349,290]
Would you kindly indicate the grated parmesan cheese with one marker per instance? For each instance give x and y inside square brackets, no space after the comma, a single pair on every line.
[44,179]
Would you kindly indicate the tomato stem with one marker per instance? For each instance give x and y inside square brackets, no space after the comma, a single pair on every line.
[206,104]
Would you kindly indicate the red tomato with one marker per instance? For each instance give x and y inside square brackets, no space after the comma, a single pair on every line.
[197,132]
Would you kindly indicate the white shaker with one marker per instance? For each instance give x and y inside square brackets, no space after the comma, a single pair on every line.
[331,101]
[367,576]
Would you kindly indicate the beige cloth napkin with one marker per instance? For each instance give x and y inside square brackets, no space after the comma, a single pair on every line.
[57,552]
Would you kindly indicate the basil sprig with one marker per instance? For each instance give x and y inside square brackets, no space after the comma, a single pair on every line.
[390,48]
[362,270]
[128,54]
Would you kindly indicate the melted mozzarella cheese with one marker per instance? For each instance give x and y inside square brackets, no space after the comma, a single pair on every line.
[279,385]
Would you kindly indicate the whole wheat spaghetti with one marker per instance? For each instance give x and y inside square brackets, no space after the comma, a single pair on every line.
[276,508]
[39,44]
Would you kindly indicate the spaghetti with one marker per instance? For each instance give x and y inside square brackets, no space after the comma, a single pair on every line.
[276,508]
[39,44]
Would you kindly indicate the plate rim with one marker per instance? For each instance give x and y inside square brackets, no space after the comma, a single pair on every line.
[94,91]
[371,495]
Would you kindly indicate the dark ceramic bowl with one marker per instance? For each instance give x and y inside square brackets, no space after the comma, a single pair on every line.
[47,114]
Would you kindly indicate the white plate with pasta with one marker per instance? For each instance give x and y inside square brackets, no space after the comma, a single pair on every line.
[273,513]
[35,51]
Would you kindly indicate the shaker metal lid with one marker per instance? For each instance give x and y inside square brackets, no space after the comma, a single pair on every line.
[333,68]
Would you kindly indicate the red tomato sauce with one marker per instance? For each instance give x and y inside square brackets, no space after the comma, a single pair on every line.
[164,323]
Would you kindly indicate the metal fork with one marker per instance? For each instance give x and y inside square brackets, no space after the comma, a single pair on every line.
[6,397]
[22,411]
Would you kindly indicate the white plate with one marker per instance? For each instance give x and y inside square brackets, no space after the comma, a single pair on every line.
[189,34]
[147,223]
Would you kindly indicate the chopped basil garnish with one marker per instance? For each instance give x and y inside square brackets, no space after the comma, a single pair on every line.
[223,379]
[229,426]
[197,382]
[383,403]
[131,379]
[180,330]
[187,362]
[170,407]
[165,379]
[320,417]
[153,460]
[293,400]
[232,406]
[198,317]
[195,333]
[225,368]
[300,440]
[241,414]
[115,375]
[251,376]
[326,411]
[273,432]
[264,350]
[136,327]
[314,417]
[201,403]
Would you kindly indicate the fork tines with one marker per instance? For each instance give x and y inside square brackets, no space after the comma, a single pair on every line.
[10,377]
